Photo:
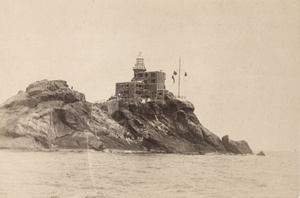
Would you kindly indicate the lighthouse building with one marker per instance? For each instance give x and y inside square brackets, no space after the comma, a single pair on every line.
[144,84]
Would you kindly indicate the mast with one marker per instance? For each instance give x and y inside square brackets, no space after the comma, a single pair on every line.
[179,77]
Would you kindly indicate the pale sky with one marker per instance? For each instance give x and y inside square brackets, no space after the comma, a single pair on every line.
[242,57]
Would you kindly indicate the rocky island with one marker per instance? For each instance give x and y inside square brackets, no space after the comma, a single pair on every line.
[142,116]
[51,115]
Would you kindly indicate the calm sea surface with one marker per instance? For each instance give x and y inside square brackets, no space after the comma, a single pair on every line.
[98,174]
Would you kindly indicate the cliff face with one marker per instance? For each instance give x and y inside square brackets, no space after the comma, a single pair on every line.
[168,125]
[50,115]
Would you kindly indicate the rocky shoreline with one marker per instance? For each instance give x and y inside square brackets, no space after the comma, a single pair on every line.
[49,115]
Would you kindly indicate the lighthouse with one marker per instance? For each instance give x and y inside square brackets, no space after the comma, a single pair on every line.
[144,84]
[139,65]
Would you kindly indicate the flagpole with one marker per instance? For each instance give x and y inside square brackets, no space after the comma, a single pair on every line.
[179,77]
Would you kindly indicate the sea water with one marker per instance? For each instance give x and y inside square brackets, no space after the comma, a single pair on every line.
[97,174]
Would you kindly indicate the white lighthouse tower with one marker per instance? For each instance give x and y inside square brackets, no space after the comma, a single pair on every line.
[139,65]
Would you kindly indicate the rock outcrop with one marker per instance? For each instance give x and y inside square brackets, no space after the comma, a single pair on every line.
[237,147]
[51,115]
[261,153]
[167,125]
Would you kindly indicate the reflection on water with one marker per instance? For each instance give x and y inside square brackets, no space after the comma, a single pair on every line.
[97,174]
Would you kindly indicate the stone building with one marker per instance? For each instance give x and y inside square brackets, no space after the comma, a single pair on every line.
[144,84]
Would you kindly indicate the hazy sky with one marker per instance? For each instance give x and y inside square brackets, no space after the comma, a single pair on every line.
[242,57]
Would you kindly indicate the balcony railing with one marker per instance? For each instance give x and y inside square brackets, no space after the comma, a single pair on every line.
[139,67]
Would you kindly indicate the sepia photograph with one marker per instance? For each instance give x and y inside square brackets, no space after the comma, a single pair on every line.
[149,98]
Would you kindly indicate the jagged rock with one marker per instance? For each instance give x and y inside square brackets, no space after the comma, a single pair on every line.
[261,153]
[53,90]
[168,125]
[49,114]
[21,99]
[212,139]
[82,140]
[236,147]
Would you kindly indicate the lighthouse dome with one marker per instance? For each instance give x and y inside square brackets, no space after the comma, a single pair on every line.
[140,56]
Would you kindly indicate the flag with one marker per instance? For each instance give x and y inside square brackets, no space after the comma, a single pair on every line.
[175,73]
[173,79]
[185,74]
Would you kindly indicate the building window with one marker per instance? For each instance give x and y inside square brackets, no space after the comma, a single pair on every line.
[152,74]
[152,80]
[146,75]
[141,75]
[145,81]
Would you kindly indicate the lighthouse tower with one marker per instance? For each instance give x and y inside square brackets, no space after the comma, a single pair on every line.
[144,84]
[139,65]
